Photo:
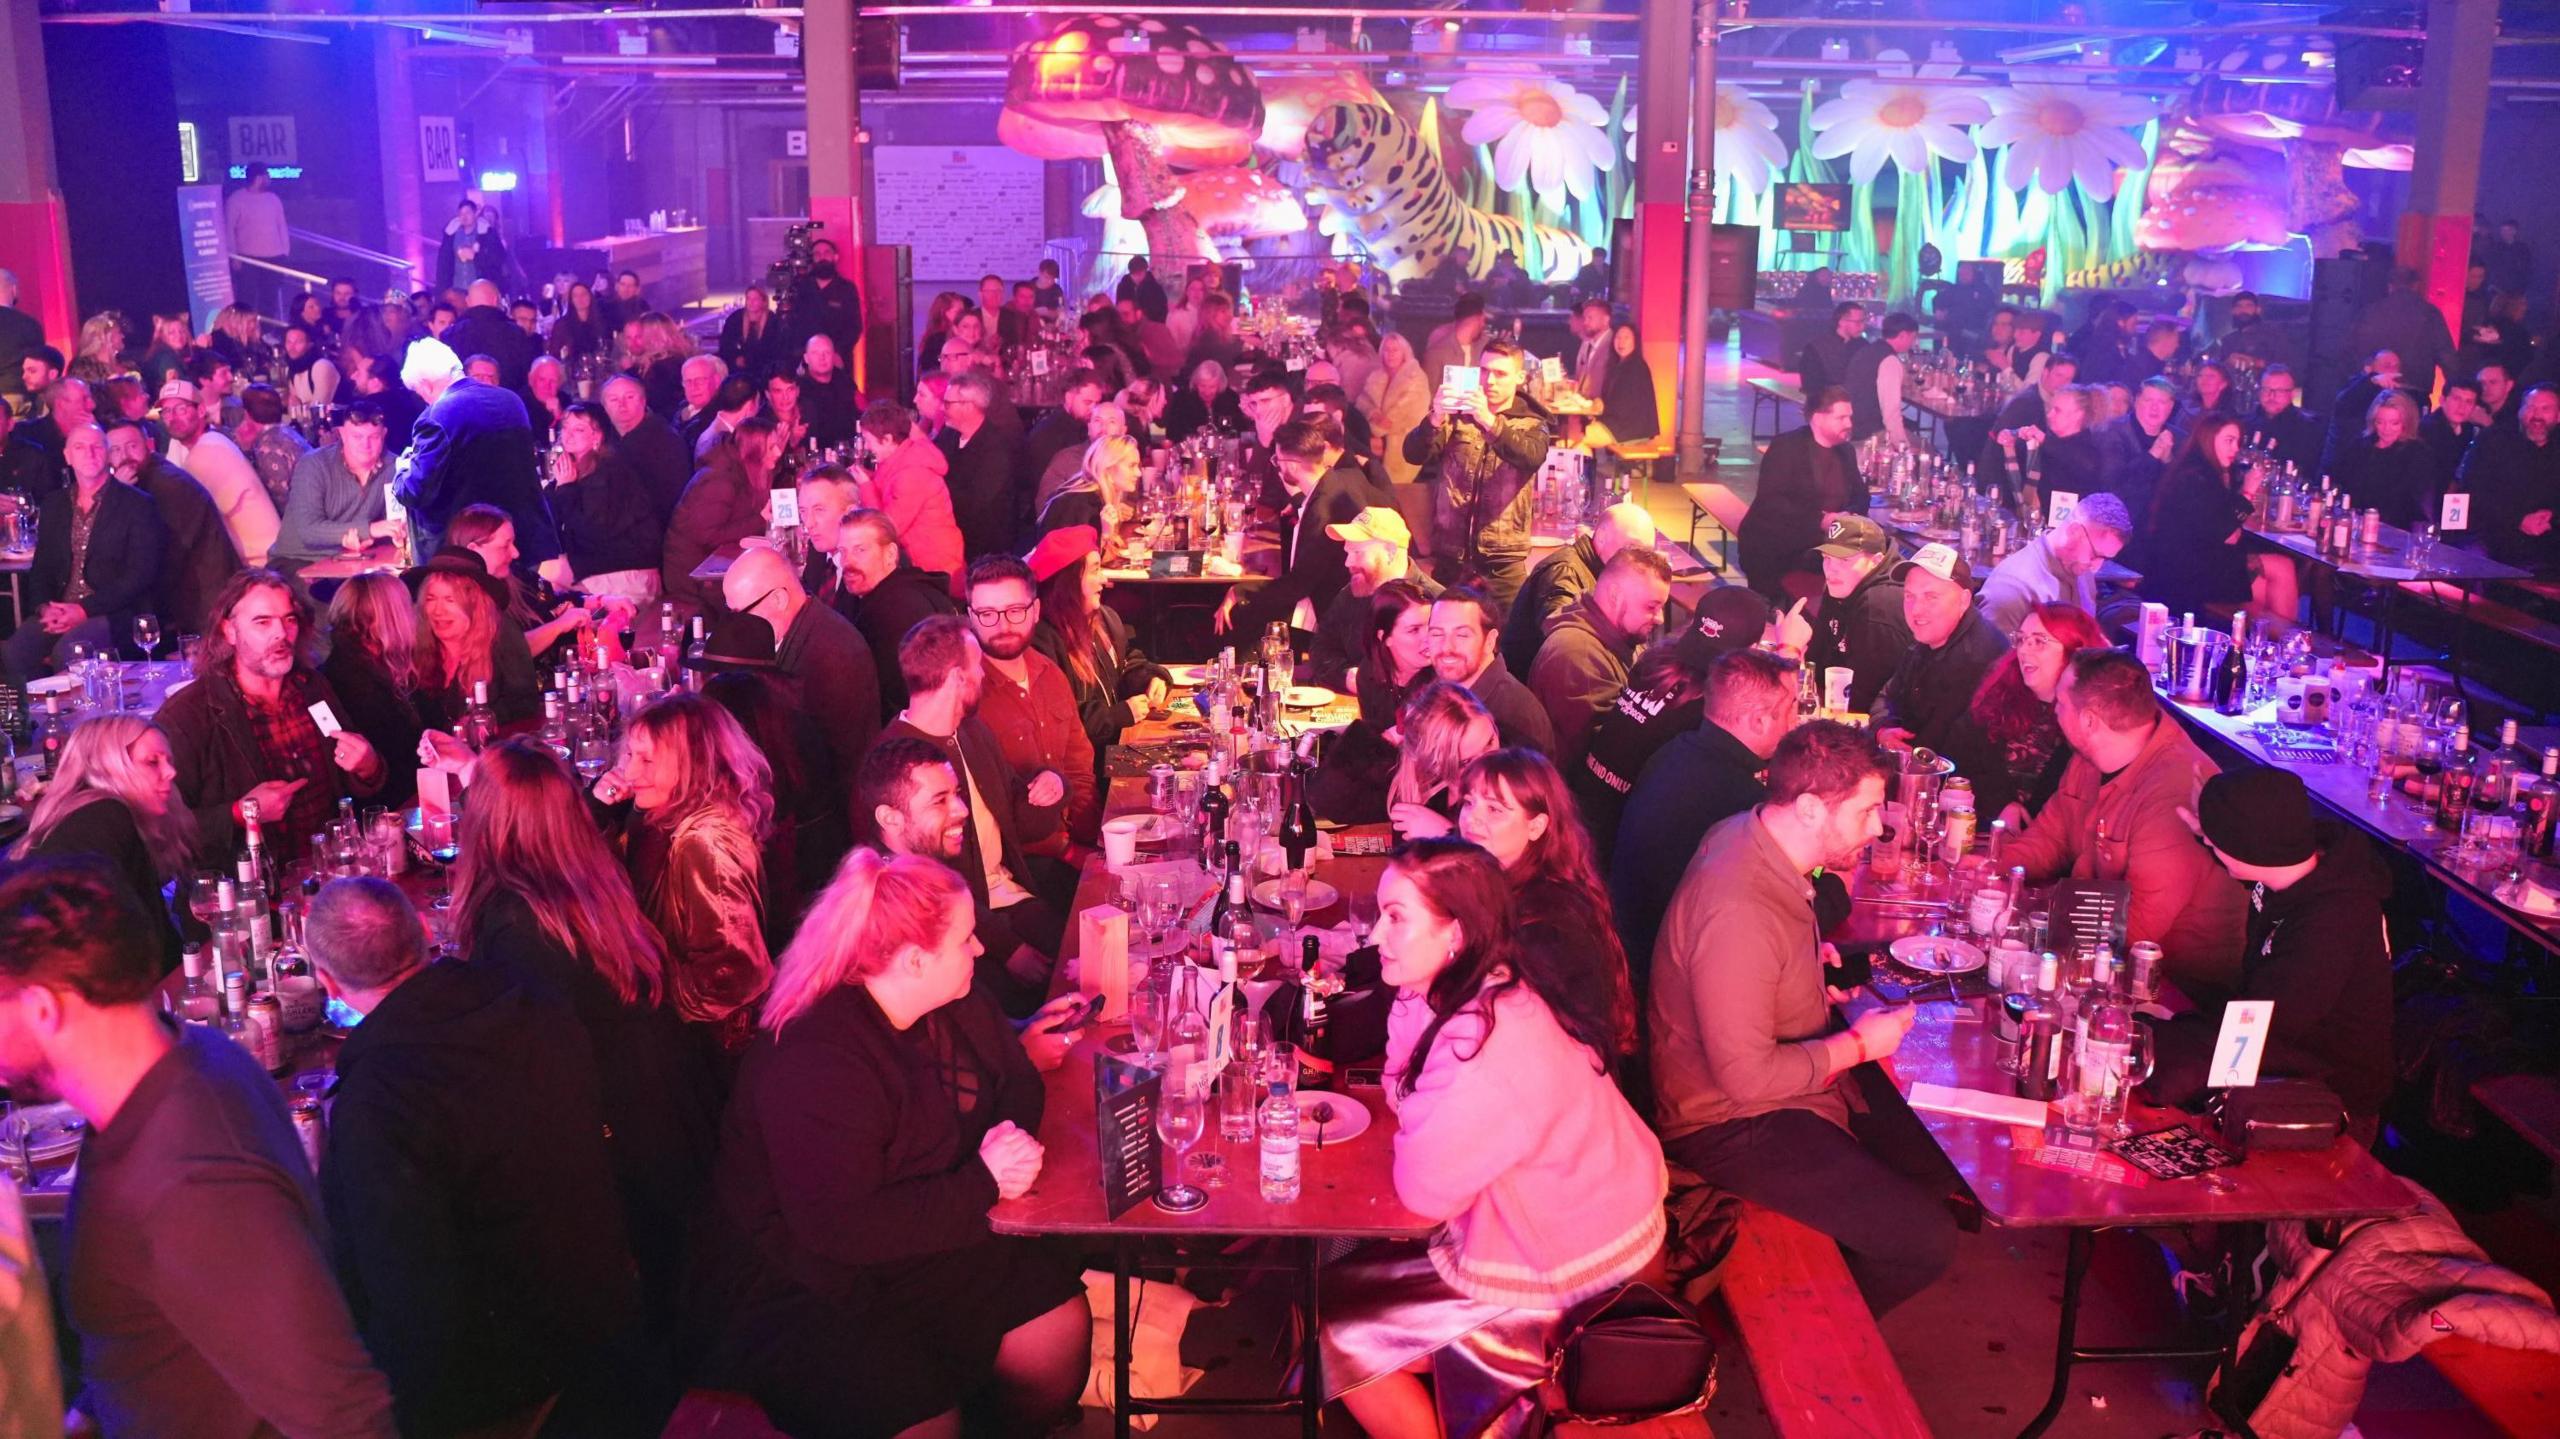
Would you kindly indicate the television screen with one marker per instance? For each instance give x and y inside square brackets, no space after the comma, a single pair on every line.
[1813,207]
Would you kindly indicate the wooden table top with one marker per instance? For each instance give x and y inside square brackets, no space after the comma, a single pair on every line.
[342,566]
[2390,559]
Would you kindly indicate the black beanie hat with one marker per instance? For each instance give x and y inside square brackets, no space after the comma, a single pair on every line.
[2259,816]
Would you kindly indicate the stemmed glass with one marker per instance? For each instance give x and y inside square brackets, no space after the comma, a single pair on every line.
[146,633]
[204,896]
[1364,916]
[1180,1116]
[444,845]
[1293,907]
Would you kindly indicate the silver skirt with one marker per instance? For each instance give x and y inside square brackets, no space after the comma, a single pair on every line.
[1385,1307]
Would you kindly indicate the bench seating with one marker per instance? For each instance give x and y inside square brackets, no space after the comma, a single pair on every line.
[2516,1389]
[1821,1362]
[1775,394]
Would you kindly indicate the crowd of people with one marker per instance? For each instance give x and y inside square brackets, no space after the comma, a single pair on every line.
[767,1005]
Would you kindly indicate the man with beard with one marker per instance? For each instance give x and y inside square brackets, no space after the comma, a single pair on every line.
[826,302]
[209,455]
[1007,810]
[647,443]
[1824,362]
[2293,433]
[1027,703]
[885,595]
[245,731]
[196,1271]
[1857,619]
[2135,450]
[2250,338]
[2513,477]
[199,557]
[1377,546]
[89,597]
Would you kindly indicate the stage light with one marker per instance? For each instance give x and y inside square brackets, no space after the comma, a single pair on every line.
[497,182]
[1835,49]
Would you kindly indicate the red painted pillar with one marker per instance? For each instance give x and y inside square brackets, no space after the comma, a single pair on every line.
[35,239]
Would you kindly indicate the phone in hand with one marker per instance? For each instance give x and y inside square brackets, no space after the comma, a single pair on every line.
[1076,1019]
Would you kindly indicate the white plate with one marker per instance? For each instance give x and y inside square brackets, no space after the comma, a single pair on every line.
[1937,954]
[2524,897]
[1350,1118]
[54,1131]
[1319,895]
[61,684]
[1307,697]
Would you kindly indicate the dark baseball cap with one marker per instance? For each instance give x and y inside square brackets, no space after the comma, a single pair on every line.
[1851,536]
[1729,618]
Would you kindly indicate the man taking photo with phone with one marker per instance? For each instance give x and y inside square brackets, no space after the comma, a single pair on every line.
[1480,448]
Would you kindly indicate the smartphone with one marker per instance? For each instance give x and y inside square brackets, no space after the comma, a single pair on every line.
[1458,379]
[339,1015]
[1076,1019]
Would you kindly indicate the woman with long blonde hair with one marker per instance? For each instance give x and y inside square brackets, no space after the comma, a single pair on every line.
[539,894]
[702,796]
[1441,729]
[373,665]
[659,360]
[1396,397]
[1096,492]
[114,798]
[99,352]
[465,643]
[884,1076]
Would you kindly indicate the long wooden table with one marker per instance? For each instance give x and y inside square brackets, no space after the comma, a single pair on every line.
[1346,1189]
[1953,1044]
[2389,567]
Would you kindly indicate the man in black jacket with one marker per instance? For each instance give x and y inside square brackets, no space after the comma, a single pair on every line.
[1480,450]
[2449,429]
[484,329]
[91,600]
[2279,424]
[1857,619]
[1141,285]
[1925,702]
[199,557]
[826,302]
[826,666]
[484,1259]
[1824,361]
[885,596]
[1322,492]
[1809,475]
[473,446]
[1556,582]
[2513,477]
[1062,429]
[978,448]
[1469,652]
[244,731]
[648,444]
[2315,947]
[1693,784]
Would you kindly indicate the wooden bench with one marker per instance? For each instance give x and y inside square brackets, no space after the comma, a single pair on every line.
[2516,1389]
[1776,394]
[1814,1347]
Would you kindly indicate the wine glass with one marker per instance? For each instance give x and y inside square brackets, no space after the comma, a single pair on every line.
[1364,916]
[1293,906]
[1180,1115]
[204,896]
[444,845]
[146,634]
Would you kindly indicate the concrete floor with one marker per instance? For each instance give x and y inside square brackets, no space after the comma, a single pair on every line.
[1976,1349]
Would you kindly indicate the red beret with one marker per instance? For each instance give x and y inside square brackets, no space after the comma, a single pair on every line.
[1061,548]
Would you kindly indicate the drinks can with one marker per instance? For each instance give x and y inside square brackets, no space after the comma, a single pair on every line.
[266,1031]
[307,1127]
[2143,975]
[2370,528]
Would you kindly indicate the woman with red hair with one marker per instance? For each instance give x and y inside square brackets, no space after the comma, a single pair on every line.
[2013,712]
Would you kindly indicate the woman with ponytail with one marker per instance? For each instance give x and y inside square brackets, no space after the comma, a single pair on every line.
[883,1107]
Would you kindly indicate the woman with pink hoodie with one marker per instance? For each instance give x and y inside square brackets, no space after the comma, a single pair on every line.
[906,484]
[1511,1136]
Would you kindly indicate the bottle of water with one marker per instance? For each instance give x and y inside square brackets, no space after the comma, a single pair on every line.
[1279,1124]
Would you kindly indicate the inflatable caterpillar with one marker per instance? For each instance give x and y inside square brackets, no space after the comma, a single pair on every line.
[1379,185]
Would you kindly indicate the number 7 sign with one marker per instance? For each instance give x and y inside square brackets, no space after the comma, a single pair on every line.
[2243,1038]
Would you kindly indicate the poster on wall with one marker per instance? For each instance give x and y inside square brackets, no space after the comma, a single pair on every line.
[1813,207]
[920,188]
[440,157]
[206,250]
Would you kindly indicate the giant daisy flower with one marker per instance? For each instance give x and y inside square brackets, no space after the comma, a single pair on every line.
[1748,150]
[1542,130]
[1899,120]
[2058,133]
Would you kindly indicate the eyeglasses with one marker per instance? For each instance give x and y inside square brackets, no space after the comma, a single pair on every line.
[2022,640]
[1010,614]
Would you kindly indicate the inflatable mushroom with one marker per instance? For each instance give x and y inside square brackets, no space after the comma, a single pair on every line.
[1151,94]
[1239,204]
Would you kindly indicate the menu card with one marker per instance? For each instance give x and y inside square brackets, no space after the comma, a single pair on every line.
[1124,1115]
[1176,564]
[2088,912]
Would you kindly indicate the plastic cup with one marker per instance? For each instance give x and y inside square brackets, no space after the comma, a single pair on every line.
[1120,841]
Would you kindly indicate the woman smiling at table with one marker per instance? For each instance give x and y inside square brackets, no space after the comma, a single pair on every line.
[463,643]
[1114,682]
[704,802]
[1440,730]
[111,800]
[1352,778]
[2013,711]
[852,1284]
[1547,1187]
[1513,804]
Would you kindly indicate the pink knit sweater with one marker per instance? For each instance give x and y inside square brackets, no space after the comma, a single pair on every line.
[1548,1186]
[910,489]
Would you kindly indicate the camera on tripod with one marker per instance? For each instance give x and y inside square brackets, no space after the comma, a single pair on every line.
[782,278]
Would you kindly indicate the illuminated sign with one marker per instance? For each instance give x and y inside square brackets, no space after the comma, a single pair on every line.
[190,153]
[263,140]
[439,153]
[280,172]
[497,182]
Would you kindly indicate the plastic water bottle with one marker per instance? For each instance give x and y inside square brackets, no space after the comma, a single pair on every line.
[1279,1124]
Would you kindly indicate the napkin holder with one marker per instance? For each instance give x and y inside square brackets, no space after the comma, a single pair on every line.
[1102,958]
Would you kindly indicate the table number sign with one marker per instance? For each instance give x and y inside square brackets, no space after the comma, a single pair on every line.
[2243,1040]
[1124,1116]
[2059,507]
[786,508]
[2457,513]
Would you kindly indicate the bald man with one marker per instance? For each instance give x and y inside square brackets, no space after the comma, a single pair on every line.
[1565,576]
[823,665]
[483,328]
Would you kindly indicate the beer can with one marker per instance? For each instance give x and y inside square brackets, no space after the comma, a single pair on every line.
[2371,526]
[2143,976]
[307,1128]
[266,1031]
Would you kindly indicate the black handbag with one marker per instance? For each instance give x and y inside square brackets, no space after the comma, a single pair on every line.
[2279,1114]
[1636,1353]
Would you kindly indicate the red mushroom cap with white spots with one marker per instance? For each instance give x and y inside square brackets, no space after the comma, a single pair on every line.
[1234,202]
[1093,70]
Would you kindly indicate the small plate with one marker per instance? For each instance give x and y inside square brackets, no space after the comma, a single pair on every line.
[1350,1118]
[1307,697]
[1320,895]
[53,1131]
[2526,898]
[1937,954]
